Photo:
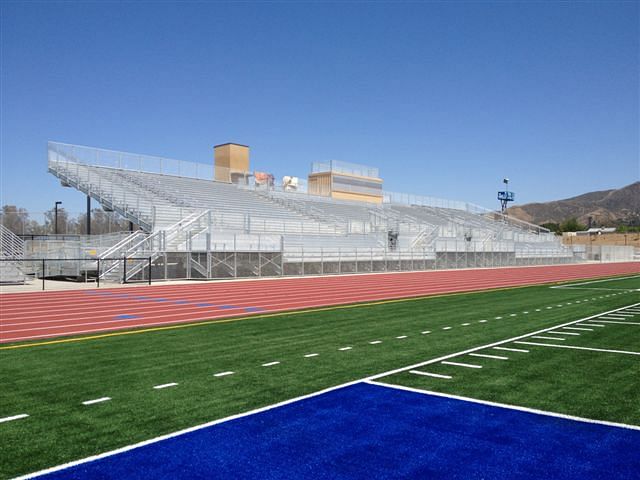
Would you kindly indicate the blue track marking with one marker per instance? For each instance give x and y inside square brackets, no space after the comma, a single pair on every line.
[370,432]
[126,316]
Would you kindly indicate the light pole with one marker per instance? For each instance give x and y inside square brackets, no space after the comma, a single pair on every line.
[55,217]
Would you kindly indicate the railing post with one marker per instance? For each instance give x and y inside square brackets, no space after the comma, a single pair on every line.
[124,269]
[149,270]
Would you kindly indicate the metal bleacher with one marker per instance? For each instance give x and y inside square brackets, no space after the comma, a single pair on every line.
[179,208]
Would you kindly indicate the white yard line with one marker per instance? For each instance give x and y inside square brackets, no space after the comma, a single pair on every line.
[223,374]
[426,332]
[14,417]
[165,385]
[573,347]
[375,342]
[579,328]
[504,405]
[540,337]
[96,400]
[507,349]
[591,325]
[564,333]
[619,322]
[343,349]
[486,355]
[401,337]
[270,364]
[465,365]
[429,374]
[309,355]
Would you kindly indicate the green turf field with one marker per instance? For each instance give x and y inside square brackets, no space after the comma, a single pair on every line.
[51,382]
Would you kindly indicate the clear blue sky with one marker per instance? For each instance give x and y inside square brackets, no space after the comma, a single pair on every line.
[445,98]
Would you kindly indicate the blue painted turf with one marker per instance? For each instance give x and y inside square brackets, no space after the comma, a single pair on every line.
[370,432]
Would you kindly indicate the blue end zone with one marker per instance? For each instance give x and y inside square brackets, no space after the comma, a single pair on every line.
[370,432]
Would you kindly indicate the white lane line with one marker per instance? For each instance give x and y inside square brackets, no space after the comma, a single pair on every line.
[504,405]
[446,328]
[97,400]
[522,350]
[579,329]
[429,374]
[223,374]
[573,347]
[165,385]
[345,348]
[270,364]
[401,337]
[565,333]
[485,355]
[591,325]
[14,417]
[621,322]
[426,332]
[309,355]
[465,365]
[539,337]
[375,342]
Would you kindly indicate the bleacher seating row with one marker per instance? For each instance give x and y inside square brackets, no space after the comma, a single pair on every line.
[159,202]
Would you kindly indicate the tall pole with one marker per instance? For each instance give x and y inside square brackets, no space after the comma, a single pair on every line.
[55,217]
[88,215]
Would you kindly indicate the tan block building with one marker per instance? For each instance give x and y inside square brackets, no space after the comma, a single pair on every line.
[344,181]
[231,161]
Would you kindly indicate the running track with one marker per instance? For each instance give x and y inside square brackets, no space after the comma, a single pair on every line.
[42,315]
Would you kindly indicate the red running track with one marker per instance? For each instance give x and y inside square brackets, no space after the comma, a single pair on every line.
[41,315]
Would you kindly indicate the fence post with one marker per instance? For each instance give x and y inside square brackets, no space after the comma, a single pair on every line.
[124,269]
[43,269]
[98,276]
[149,270]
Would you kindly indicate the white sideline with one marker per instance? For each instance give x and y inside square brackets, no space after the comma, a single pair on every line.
[598,281]
[369,379]
[624,352]
[505,405]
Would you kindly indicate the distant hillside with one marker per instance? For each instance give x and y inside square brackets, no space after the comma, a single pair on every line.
[608,208]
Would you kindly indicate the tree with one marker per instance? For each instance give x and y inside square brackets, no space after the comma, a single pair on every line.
[554,227]
[572,225]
